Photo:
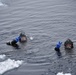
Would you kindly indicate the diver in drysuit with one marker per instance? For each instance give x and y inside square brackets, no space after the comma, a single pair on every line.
[21,38]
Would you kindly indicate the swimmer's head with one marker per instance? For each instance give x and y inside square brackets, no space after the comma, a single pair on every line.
[23,37]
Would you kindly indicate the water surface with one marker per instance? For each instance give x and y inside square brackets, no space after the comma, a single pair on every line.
[47,21]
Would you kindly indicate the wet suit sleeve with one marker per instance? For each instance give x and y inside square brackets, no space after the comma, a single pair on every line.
[59,44]
[17,39]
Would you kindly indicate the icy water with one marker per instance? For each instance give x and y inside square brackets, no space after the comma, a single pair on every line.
[45,22]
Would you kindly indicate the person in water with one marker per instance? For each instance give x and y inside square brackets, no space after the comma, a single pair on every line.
[21,38]
[58,45]
[68,44]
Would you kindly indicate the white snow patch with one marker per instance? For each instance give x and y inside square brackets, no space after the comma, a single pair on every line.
[1,4]
[61,73]
[9,64]
[2,56]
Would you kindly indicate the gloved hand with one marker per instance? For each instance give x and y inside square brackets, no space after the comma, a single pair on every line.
[58,44]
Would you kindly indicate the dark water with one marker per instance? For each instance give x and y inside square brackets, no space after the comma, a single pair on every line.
[47,21]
